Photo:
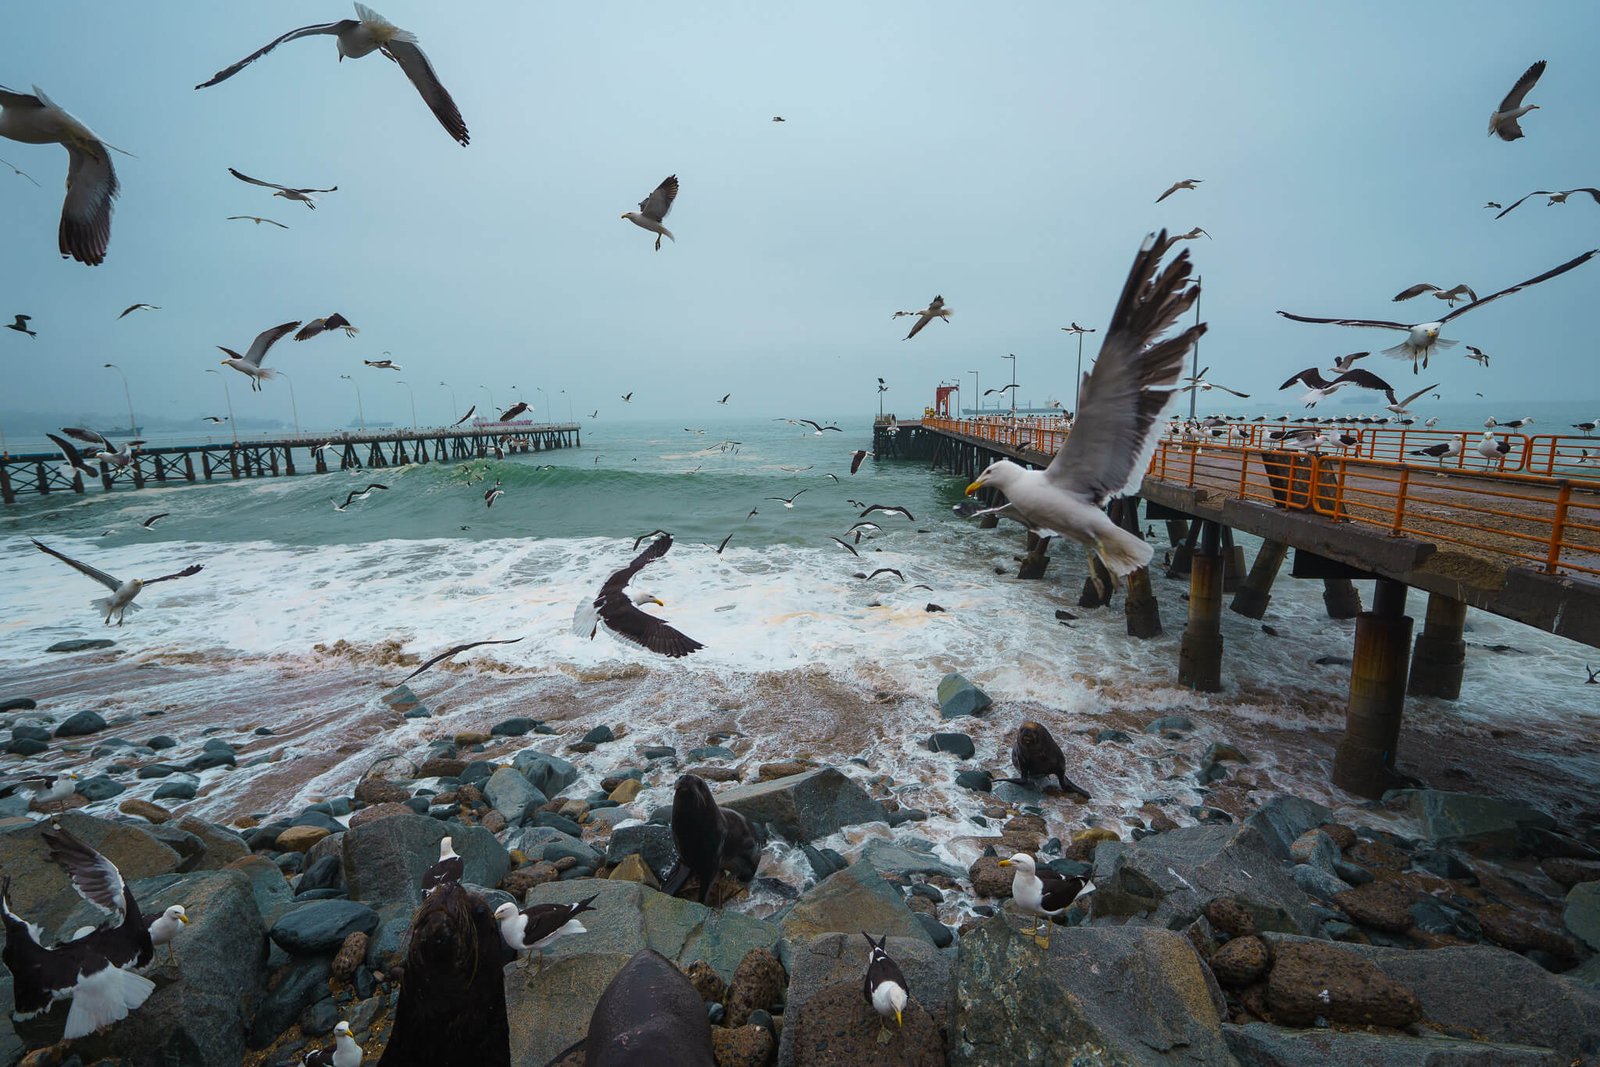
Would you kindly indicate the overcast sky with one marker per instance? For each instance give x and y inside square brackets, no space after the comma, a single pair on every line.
[1004,156]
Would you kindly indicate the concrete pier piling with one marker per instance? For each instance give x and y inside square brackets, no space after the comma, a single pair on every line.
[1364,763]
[1255,593]
[1200,651]
[1036,559]
[1440,655]
[1342,598]
[1142,613]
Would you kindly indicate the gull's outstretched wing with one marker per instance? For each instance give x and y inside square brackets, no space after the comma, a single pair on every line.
[98,575]
[1382,324]
[96,878]
[623,618]
[187,572]
[1365,379]
[1122,398]
[447,653]
[86,212]
[266,339]
[1575,261]
[658,203]
[420,71]
[1506,211]
[304,31]
[1415,290]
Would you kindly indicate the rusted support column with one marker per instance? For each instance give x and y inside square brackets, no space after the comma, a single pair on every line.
[1183,551]
[105,475]
[205,464]
[1177,532]
[138,474]
[1341,597]
[288,459]
[44,478]
[1036,559]
[1440,655]
[6,493]
[1200,651]
[1256,592]
[188,466]
[161,469]
[233,462]
[1142,613]
[272,461]
[1232,562]
[1364,761]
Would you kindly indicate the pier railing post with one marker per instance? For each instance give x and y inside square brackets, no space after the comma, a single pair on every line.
[1440,656]
[1364,762]
[1256,593]
[1200,651]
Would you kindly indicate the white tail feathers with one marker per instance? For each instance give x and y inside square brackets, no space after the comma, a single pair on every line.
[266,372]
[103,998]
[1121,551]
[103,606]
[668,235]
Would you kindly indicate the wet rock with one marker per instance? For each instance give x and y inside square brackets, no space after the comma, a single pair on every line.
[804,807]
[214,753]
[958,697]
[300,984]
[1230,916]
[1098,995]
[1509,930]
[384,860]
[161,741]
[100,787]
[1582,913]
[746,1046]
[321,926]
[633,869]
[1319,883]
[222,845]
[177,787]
[989,879]
[1379,905]
[81,644]
[512,795]
[707,982]
[24,746]
[758,983]
[1173,723]
[300,838]
[352,954]
[893,861]
[1316,849]
[1562,870]
[17,704]
[515,726]
[655,752]
[39,887]
[1470,819]
[82,724]
[549,774]
[1281,820]
[977,781]
[1263,1045]
[1240,962]
[705,752]
[1317,979]
[849,901]
[1169,878]
[650,841]
[626,791]
[599,735]
[958,745]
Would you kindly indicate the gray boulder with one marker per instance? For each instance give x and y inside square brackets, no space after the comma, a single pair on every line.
[959,697]
[804,807]
[838,1026]
[81,725]
[1582,912]
[1123,995]
[321,926]
[651,841]
[849,901]
[222,845]
[1465,818]
[549,774]
[1281,820]
[512,795]
[835,958]
[299,984]
[384,859]
[889,858]
[40,889]
[1262,1045]
[548,843]
[1170,878]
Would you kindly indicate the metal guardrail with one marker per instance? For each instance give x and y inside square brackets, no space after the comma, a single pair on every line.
[1515,509]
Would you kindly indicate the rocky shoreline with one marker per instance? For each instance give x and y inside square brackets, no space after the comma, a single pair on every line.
[1429,928]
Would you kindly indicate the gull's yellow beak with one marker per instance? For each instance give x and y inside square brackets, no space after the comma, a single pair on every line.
[1005,863]
[975,486]
[184,919]
[623,215]
[897,1021]
[658,602]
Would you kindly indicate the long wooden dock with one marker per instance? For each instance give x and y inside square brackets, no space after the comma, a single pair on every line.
[46,472]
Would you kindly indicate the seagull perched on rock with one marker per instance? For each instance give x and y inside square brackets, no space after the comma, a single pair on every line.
[1118,425]
[249,364]
[91,180]
[1423,337]
[344,1053]
[934,310]
[314,327]
[654,208]
[287,192]
[360,37]
[1187,183]
[120,602]
[21,325]
[1557,196]
[1449,296]
[884,986]
[1041,894]
[539,925]
[1503,123]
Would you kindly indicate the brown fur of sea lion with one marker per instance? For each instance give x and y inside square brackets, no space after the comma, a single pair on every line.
[648,1015]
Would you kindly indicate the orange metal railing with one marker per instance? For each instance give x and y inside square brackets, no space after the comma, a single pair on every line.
[1537,505]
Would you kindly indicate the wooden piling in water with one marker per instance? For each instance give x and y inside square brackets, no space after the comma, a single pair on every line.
[1036,559]
[1255,593]
[1200,651]
[1365,759]
[1141,611]
[1342,598]
[1440,656]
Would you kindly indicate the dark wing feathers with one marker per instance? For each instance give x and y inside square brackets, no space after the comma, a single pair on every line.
[303,31]
[624,618]
[1575,261]
[96,878]
[1364,379]
[1524,85]
[1379,323]
[82,568]
[447,653]
[420,71]
[187,572]
[1311,377]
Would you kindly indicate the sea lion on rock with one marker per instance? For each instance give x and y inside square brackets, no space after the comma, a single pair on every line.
[649,1014]
[709,839]
[452,1010]
[1036,755]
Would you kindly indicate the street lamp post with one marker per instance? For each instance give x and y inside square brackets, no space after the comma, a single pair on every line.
[453,409]
[1194,393]
[293,407]
[229,399]
[133,425]
[544,398]
[361,413]
[1013,358]
[977,397]
[569,405]
[413,405]
[1077,380]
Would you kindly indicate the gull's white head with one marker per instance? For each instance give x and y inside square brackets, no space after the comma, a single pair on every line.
[176,914]
[447,849]
[1000,473]
[647,598]
[1021,861]
[341,1029]
[505,911]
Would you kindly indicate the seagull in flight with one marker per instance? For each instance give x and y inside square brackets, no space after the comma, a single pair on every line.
[1402,407]
[857,456]
[21,325]
[1187,183]
[1423,337]
[817,428]
[116,457]
[287,192]
[1503,123]
[382,364]
[120,602]
[19,172]
[336,321]
[1322,388]
[1344,363]
[370,33]
[492,494]
[846,545]
[1002,389]
[257,219]
[725,397]
[887,509]
[216,419]
[70,453]
[619,610]
[934,310]
[354,495]
[131,308]
[456,650]
[654,208]
[1557,196]
[91,180]
[1193,234]
[627,398]
[1119,421]
[1198,381]
[249,364]
[786,501]
[1449,296]
[1477,355]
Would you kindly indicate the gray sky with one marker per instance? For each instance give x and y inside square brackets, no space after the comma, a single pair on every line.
[1006,157]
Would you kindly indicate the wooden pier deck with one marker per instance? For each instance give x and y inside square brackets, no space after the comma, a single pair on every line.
[46,472]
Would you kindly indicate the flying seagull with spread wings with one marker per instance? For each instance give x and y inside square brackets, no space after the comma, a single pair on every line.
[1198,381]
[456,649]
[1187,183]
[335,321]
[1557,196]
[91,180]
[286,191]
[360,37]
[120,602]
[934,310]
[1503,123]
[1423,337]
[654,208]
[1462,291]
[620,612]
[257,219]
[1119,421]
[131,308]
[249,364]
[1322,388]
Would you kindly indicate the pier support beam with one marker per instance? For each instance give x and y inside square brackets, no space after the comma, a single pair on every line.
[1200,651]
[1341,597]
[1183,550]
[1440,655]
[1036,559]
[1256,593]
[1142,613]
[1364,761]
[1232,562]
